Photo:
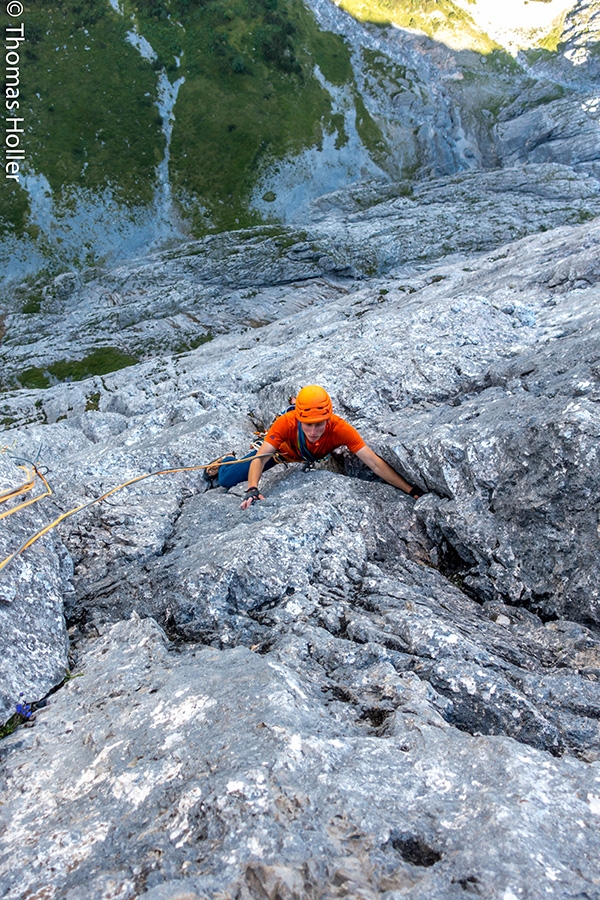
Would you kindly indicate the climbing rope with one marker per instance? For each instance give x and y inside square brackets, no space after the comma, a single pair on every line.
[31,468]
[25,488]
[71,512]
[20,489]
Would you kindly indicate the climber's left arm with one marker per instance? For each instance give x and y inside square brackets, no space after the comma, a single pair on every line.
[385,471]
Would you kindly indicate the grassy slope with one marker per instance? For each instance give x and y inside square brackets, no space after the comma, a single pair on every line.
[87,98]
[249,95]
[440,19]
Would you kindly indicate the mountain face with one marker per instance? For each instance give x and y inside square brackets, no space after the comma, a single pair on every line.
[151,120]
[339,692]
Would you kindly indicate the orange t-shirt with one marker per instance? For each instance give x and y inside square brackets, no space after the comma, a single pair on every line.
[283,434]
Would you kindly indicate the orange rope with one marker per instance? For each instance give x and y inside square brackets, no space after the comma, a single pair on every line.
[47,493]
[76,509]
[22,489]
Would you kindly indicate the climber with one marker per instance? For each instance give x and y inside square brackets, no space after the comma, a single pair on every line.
[307,432]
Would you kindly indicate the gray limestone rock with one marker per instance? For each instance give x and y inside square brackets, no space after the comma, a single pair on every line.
[172,302]
[169,785]
[560,131]
[33,634]
[338,692]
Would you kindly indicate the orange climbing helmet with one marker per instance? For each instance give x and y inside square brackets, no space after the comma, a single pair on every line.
[313,404]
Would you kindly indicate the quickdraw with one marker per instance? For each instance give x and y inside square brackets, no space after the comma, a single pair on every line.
[25,488]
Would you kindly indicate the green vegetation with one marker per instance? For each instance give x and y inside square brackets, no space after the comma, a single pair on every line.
[551,41]
[384,69]
[369,132]
[186,346]
[15,207]
[93,402]
[250,96]
[23,712]
[583,215]
[12,724]
[33,304]
[70,676]
[99,362]
[88,100]
[533,56]
[332,55]
[34,378]
[440,19]
[500,61]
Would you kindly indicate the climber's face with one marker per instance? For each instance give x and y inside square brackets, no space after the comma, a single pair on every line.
[314,431]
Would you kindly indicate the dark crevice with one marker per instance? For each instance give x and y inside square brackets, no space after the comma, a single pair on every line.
[539,604]
[262,618]
[379,719]
[363,602]
[476,719]
[471,389]
[414,850]
[452,566]
[337,692]
[180,638]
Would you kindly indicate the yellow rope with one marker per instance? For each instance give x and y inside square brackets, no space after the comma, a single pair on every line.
[22,490]
[76,509]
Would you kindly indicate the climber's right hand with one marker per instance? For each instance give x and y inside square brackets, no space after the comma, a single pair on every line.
[251,496]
